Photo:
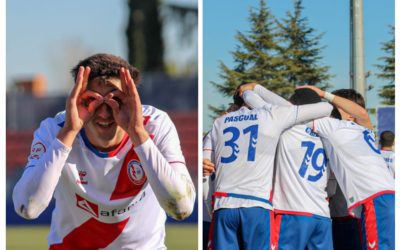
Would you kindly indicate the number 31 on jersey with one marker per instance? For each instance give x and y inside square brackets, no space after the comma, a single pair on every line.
[238,135]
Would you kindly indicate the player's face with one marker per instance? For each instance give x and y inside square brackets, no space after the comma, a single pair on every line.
[102,130]
[345,116]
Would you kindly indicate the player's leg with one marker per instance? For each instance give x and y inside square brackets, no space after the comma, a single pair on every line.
[293,231]
[321,237]
[378,223]
[225,227]
[255,228]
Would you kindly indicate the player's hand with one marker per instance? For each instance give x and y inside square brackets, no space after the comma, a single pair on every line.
[127,109]
[80,106]
[247,86]
[319,91]
[208,167]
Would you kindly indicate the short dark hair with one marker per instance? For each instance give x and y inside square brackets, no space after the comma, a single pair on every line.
[386,138]
[304,96]
[237,99]
[106,65]
[351,95]
[335,113]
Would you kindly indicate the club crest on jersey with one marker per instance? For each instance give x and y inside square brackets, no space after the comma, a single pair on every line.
[38,149]
[136,173]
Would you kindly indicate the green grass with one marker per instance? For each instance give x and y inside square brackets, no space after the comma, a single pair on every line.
[180,237]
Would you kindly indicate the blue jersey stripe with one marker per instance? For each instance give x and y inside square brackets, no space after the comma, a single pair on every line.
[249,197]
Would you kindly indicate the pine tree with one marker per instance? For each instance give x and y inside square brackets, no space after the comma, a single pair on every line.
[277,55]
[387,71]
[301,51]
[256,58]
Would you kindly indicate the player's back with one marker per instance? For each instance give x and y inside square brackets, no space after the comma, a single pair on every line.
[358,166]
[244,144]
[301,173]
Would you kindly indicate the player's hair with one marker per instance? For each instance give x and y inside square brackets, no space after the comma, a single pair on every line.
[351,95]
[232,107]
[107,66]
[386,138]
[237,99]
[335,113]
[304,96]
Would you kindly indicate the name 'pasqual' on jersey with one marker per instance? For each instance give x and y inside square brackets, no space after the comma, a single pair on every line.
[239,118]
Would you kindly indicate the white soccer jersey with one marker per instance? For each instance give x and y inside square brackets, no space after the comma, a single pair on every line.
[357,164]
[106,200]
[389,156]
[301,173]
[244,144]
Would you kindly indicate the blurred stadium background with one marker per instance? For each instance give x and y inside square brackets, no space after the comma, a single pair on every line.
[164,38]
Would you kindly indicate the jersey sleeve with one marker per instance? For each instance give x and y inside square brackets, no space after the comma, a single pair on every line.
[165,168]
[34,190]
[253,100]
[207,146]
[289,116]
[270,97]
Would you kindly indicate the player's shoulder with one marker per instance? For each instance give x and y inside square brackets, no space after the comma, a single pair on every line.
[55,122]
[153,113]
[50,126]
[154,118]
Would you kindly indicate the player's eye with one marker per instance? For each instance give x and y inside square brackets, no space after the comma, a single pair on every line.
[117,99]
[88,100]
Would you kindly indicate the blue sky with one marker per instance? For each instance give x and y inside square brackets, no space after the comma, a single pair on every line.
[42,35]
[50,37]
[223,18]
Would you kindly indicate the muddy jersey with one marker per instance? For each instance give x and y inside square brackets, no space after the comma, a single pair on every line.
[103,199]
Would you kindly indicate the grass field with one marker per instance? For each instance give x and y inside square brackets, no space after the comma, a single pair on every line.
[180,237]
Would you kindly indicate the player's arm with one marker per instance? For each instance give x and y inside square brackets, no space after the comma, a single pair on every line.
[163,163]
[208,172]
[265,94]
[313,111]
[359,113]
[252,99]
[35,189]
[208,165]
[166,171]
[292,115]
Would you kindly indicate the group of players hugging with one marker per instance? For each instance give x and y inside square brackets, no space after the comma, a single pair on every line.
[296,174]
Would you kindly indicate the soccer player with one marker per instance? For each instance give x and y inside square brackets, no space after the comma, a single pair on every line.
[386,141]
[362,175]
[208,183]
[346,229]
[302,219]
[113,165]
[244,144]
